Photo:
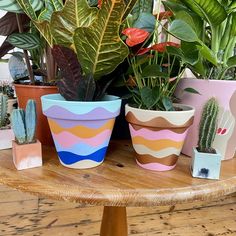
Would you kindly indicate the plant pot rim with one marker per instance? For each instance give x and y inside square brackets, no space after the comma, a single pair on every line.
[59,99]
[210,154]
[35,86]
[186,108]
[208,80]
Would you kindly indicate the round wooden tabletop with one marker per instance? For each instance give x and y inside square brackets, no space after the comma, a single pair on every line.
[119,181]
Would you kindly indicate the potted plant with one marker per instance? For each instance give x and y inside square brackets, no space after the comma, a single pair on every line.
[208,31]
[33,70]
[82,117]
[158,126]
[26,149]
[6,133]
[206,161]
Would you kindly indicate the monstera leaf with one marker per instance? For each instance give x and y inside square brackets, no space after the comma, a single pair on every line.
[76,13]
[13,6]
[99,47]
[211,10]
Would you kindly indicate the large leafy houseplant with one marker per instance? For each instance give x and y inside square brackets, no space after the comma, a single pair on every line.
[207,29]
[157,126]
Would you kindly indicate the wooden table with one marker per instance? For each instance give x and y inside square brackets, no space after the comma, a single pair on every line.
[116,184]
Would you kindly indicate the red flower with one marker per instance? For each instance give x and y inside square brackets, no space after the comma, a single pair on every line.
[135,36]
[161,47]
[143,51]
[165,15]
[99,3]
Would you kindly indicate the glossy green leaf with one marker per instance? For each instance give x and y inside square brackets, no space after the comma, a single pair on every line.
[233,29]
[190,53]
[167,103]
[183,31]
[208,54]
[26,41]
[13,6]
[145,21]
[191,90]
[150,96]
[76,13]
[232,61]
[99,47]
[153,70]
[210,10]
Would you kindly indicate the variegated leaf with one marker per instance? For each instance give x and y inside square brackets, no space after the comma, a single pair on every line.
[99,47]
[76,13]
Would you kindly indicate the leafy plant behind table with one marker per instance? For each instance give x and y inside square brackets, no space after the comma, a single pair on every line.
[156,63]
[207,28]
[85,41]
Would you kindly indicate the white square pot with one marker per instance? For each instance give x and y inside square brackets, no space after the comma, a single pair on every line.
[6,137]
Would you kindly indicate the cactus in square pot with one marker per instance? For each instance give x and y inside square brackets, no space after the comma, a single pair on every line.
[6,133]
[26,149]
[206,160]
[86,45]
[158,126]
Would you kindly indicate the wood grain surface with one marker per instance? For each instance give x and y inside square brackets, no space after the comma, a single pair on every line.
[117,182]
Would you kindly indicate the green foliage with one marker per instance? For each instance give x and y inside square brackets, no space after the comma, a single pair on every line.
[3,110]
[214,24]
[208,125]
[24,123]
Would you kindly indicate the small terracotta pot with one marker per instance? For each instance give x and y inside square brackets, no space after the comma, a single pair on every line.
[158,136]
[27,156]
[25,92]
[81,130]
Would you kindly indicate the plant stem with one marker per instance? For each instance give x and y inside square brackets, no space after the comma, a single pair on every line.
[215,40]
[31,74]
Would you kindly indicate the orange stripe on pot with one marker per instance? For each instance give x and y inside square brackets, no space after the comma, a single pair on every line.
[157,145]
[156,122]
[168,161]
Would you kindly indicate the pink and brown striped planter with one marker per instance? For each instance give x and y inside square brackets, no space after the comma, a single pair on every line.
[158,136]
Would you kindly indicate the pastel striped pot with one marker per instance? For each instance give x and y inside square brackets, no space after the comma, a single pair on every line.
[81,130]
[158,136]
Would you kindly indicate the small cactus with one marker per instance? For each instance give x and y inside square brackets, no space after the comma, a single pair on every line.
[208,126]
[3,110]
[24,123]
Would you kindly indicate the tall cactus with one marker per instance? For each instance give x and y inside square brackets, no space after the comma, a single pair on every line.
[3,110]
[208,126]
[24,123]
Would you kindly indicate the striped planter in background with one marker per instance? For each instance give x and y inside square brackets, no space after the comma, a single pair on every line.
[158,136]
[81,130]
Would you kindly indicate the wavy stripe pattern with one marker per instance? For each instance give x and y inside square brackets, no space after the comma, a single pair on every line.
[81,143]
[155,141]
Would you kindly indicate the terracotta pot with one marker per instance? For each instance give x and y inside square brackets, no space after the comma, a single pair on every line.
[25,92]
[158,136]
[27,156]
[81,130]
[225,92]
[206,165]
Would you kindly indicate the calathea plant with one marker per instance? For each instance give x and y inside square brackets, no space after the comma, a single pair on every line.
[85,41]
[207,29]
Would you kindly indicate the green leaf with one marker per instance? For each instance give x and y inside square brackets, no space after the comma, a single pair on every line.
[147,97]
[145,21]
[208,54]
[174,6]
[128,7]
[232,61]
[26,41]
[153,70]
[99,47]
[183,31]
[13,6]
[210,10]
[167,103]
[191,90]
[190,53]
[233,29]
[76,13]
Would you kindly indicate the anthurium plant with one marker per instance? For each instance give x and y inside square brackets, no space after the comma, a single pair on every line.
[156,62]
[207,28]
[85,40]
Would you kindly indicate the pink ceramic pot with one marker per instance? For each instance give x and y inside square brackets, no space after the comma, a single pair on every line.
[225,92]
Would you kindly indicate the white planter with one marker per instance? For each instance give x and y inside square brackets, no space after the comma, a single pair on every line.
[6,137]
[225,93]
[206,165]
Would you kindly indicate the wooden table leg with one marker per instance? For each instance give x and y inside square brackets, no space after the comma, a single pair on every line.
[114,222]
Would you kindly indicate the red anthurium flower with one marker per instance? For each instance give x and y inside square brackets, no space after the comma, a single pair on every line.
[99,3]
[143,51]
[165,15]
[161,47]
[135,36]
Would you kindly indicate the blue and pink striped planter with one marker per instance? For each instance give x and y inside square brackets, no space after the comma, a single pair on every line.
[81,130]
